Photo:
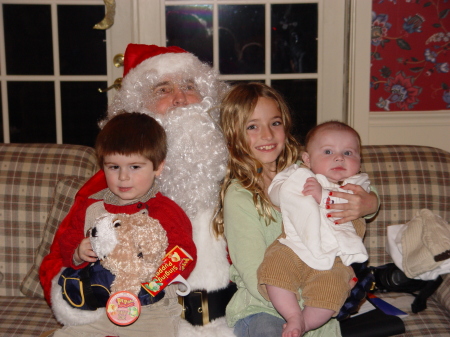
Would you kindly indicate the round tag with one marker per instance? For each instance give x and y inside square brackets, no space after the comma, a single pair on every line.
[123,308]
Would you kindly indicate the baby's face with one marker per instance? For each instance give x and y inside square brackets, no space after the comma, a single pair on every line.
[335,154]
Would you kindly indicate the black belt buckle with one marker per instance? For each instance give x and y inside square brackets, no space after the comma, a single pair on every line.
[200,307]
[195,307]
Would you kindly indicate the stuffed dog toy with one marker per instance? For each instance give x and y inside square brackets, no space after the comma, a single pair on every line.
[130,246]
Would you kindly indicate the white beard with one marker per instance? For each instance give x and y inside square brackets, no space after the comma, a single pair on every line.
[195,165]
[196,159]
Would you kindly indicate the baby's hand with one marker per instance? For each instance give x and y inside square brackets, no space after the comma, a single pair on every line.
[84,252]
[313,188]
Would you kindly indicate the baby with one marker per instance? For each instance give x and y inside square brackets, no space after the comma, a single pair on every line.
[313,252]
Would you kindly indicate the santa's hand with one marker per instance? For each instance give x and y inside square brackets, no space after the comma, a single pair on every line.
[84,252]
[360,203]
[313,188]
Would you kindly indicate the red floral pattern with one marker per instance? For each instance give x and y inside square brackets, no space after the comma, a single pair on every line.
[410,55]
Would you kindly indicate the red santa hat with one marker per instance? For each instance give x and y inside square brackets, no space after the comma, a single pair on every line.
[147,65]
[141,58]
[135,54]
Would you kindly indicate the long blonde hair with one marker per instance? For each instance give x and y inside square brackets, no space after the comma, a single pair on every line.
[235,111]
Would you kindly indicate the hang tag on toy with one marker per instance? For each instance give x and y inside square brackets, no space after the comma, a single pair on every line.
[169,271]
[123,308]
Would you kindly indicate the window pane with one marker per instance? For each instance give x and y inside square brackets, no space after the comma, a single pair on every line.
[82,107]
[32,112]
[28,39]
[301,96]
[241,39]
[82,49]
[190,28]
[294,38]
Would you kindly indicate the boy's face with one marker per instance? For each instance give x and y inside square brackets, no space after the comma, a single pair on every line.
[129,177]
[333,153]
[173,92]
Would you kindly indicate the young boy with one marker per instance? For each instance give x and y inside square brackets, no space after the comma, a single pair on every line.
[313,253]
[131,150]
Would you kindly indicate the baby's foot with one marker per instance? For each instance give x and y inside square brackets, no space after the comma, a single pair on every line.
[294,327]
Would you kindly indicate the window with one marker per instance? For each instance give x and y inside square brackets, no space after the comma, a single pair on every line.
[281,44]
[52,65]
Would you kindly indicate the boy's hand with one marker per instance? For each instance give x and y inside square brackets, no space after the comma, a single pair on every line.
[84,252]
[360,203]
[313,188]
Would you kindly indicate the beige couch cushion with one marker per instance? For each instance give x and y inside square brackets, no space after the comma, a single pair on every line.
[408,179]
[28,176]
[25,316]
[63,199]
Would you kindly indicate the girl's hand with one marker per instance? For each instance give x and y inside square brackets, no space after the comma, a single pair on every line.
[313,188]
[360,203]
[84,252]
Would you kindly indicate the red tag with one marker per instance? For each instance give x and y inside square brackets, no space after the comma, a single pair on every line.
[123,308]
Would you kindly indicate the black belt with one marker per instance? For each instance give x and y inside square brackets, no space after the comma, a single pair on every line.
[201,307]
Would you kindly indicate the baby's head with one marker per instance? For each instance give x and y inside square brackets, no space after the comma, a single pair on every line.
[333,149]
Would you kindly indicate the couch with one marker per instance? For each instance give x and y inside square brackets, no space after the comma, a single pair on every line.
[38,183]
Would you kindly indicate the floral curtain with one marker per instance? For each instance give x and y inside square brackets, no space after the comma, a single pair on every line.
[410,55]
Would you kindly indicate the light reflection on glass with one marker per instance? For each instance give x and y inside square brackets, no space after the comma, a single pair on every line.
[241,39]
[294,38]
[190,28]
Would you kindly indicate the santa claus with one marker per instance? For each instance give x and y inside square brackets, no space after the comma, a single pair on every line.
[183,94]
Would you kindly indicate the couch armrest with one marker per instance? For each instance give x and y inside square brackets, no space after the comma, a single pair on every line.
[442,295]
[28,176]
[408,179]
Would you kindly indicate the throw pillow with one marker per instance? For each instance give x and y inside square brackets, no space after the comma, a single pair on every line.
[63,198]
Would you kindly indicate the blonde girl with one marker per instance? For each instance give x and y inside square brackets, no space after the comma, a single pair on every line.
[243,166]
[256,124]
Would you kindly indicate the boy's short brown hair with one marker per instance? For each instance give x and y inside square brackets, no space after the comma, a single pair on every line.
[132,133]
[330,125]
